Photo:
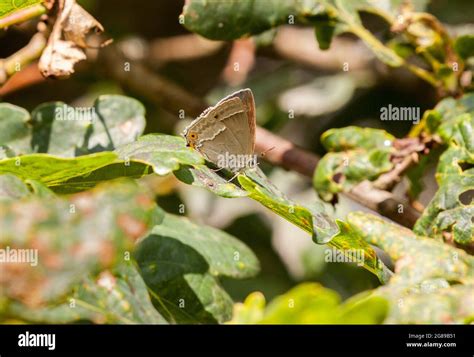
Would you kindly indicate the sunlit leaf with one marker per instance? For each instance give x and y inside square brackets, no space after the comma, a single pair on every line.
[310,303]
[58,129]
[353,137]
[324,229]
[12,188]
[10,6]
[464,46]
[432,280]
[234,19]
[420,258]
[450,213]
[15,130]
[165,153]
[202,176]
[452,208]
[117,296]
[66,175]
[340,171]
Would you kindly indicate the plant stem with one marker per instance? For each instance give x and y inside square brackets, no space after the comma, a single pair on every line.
[22,15]
[23,57]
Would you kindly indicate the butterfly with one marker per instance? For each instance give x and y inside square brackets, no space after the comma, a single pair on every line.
[225,133]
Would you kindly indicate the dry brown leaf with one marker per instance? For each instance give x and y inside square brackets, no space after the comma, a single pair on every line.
[67,40]
[79,25]
[58,61]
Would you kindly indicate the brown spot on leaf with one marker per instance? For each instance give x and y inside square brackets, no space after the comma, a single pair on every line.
[466,197]
[22,282]
[144,201]
[465,165]
[337,177]
[131,226]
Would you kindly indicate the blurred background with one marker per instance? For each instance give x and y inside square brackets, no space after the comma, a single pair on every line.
[300,92]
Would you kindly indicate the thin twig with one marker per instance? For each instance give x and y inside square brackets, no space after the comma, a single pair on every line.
[140,79]
[408,150]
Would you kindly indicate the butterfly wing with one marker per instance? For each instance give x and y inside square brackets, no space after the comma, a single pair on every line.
[228,127]
[248,102]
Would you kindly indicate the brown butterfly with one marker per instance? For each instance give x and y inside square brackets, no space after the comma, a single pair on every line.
[226,130]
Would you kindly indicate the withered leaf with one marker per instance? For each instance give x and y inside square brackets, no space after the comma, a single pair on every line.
[67,40]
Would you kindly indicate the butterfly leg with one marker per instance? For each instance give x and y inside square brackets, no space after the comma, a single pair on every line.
[233,177]
[262,154]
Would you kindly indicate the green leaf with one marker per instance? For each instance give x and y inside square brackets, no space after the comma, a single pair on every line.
[15,130]
[202,176]
[452,208]
[12,188]
[52,170]
[356,154]
[446,112]
[364,308]
[464,46]
[419,258]
[71,175]
[325,30]
[39,189]
[449,214]
[459,131]
[310,303]
[181,261]
[9,6]
[250,311]
[360,154]
[70,238]
[433,281]
[89,179]
[340,171]
[435,305]
[59,129]
[62,130]
[324,230]
[415,173]
[346,16]
[229,20]
[165,153]
[118,296]
[317,223]
[349,241]
[160,153]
